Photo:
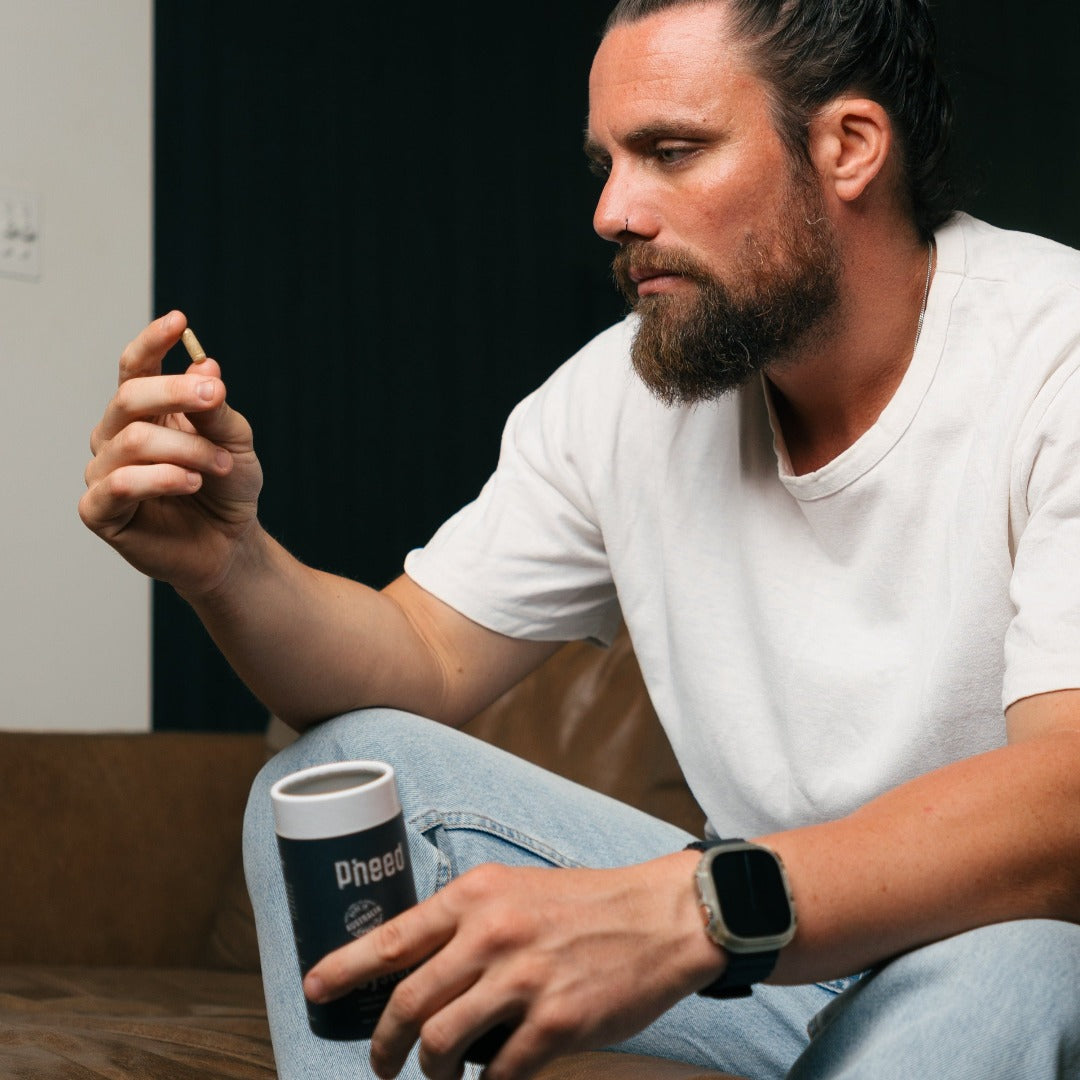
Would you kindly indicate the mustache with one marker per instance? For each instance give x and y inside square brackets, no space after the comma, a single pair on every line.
[639,256]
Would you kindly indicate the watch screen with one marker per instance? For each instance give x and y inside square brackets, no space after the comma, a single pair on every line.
[753,900]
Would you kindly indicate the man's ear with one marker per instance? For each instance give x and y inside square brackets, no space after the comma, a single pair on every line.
[850,143]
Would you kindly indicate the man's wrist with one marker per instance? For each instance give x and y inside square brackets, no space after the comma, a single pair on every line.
[706,961]
[253,554]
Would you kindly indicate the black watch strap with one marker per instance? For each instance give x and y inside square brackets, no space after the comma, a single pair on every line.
[743,969]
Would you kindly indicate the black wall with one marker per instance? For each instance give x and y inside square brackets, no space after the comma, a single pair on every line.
[1012,68]
[379,222]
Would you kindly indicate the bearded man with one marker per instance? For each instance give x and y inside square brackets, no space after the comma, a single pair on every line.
[825,472]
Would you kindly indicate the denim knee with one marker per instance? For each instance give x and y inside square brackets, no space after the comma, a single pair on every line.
[422,746]
[321,744]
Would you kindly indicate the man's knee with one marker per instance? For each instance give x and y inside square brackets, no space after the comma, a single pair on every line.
[380,734]
[320,745]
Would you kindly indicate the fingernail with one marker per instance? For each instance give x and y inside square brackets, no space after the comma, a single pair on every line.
[168,322]
[314,988]
[205,390]
[223,459]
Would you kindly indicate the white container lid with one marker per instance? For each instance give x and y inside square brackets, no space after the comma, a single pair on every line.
[334,800]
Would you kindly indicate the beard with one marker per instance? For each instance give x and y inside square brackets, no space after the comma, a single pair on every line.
[696,346]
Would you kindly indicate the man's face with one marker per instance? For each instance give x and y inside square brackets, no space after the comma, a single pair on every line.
[726,251]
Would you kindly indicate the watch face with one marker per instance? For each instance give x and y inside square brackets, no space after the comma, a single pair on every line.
[753,899]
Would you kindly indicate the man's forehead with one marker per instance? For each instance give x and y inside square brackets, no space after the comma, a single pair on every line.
[683,40]
[680,66]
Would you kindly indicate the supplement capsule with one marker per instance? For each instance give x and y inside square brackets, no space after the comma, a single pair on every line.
[191,343]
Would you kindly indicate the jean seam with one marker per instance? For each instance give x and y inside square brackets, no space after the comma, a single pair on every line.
[469,821]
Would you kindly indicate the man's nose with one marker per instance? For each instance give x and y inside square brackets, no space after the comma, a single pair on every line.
[620,216]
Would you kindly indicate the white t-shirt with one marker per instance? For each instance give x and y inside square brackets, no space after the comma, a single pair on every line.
[809,641]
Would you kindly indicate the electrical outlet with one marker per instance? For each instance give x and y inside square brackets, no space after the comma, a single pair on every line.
[20,235]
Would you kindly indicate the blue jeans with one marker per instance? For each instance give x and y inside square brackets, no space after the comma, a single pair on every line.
[998,1002]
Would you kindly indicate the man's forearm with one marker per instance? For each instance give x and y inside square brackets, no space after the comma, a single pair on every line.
[311,645]
[986,840]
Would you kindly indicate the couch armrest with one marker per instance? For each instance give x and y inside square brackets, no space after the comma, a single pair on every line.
[117,847]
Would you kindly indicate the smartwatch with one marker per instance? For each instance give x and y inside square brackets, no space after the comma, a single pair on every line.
[748,908]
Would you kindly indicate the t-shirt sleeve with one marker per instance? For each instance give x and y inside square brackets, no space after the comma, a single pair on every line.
[1042,644]
[527,557]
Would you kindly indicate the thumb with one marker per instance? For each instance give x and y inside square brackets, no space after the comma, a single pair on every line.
[218,422]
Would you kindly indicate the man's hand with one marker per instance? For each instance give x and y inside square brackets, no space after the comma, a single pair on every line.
[569,959]
[174,481]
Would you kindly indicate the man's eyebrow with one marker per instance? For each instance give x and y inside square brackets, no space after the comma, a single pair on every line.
[644,135]
[689,130]
[649,133]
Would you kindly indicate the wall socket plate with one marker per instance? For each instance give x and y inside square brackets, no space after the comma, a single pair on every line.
[20,235]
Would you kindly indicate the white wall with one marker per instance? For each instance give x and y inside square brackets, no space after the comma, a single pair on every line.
[75,129]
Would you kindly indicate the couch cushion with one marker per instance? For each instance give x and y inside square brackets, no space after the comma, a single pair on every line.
[122,1023]
[82,1023]
[124,844]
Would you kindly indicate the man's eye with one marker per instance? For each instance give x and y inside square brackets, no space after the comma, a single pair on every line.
[672,155]
[600,169]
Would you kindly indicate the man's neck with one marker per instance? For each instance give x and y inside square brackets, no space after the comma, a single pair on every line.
[837,386]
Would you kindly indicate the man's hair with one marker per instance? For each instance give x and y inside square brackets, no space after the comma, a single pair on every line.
[809,52]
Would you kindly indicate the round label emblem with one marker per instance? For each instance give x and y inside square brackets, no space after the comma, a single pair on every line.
[363,916]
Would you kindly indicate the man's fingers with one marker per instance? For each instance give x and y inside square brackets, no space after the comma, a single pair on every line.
[161,395]
[435,983]
[401,943]
[110,503]
[466,1030]
[144,355]
[405,942]
[143,443]
[528,1048]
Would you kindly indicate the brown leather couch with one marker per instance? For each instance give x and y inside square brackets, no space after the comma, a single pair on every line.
[127,946]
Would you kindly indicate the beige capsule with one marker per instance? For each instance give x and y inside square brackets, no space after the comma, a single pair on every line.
[191,343]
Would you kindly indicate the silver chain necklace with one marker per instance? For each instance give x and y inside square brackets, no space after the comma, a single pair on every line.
[926,290]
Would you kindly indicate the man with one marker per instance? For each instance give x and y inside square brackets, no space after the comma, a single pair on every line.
[835,502]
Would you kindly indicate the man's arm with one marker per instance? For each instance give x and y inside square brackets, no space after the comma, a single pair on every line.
[173,485]
[312,645]
[985,840]
[581,958]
